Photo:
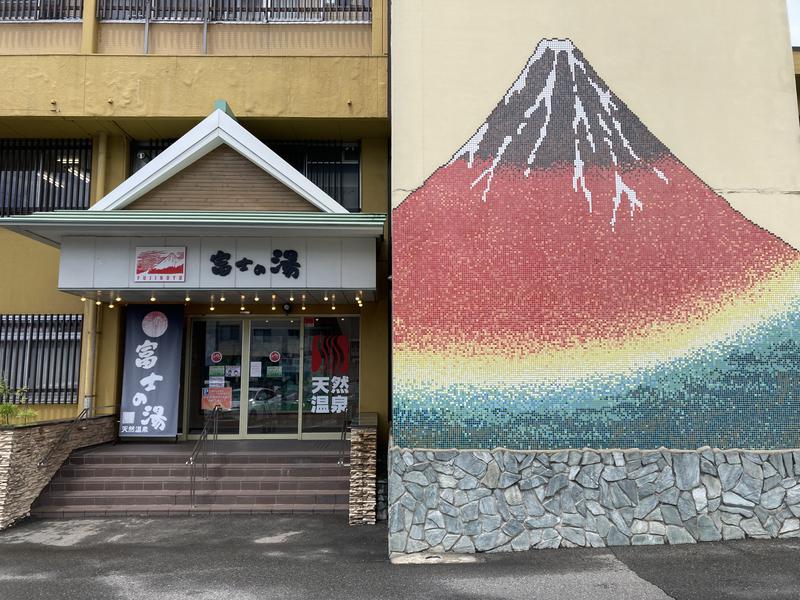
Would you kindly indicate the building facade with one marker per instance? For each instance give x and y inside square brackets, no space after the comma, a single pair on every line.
[153,131]
[595,276]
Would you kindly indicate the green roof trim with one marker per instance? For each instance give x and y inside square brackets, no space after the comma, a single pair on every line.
[289,219]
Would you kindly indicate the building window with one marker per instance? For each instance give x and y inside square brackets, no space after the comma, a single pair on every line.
[41,10]
[44,175]
[242,11]
[42,354]
[334,167]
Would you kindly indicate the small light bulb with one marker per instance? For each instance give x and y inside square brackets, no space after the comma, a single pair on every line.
[273,307]
[302,307]
[274,296]
[241,308]
[211,308]
[325,297]
[83,298]
[111,305]
[98,302]
[333,307]
[187,299]
[118,299]
[222,298]
[152,298]
[256,298]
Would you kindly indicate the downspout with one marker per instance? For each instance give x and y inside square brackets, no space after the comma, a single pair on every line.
[90,319]
[90,310]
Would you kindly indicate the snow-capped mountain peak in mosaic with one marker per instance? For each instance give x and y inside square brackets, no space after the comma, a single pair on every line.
[566,281]
[559,112]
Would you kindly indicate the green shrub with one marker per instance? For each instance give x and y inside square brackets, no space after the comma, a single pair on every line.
[8,412]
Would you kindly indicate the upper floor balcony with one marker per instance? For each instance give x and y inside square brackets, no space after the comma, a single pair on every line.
[211,11]
[194,27]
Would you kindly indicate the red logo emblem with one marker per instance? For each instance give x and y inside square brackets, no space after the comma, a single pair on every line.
[160,264]
[216,357]
[274,356]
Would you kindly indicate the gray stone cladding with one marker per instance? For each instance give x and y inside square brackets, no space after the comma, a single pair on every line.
[504,500]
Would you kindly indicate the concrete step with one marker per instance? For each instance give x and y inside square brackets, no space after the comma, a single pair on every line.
[88,498]
[175,458]
[215,469]
[99,484]
[171,510]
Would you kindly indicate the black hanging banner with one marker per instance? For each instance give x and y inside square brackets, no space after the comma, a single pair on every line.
[150,380]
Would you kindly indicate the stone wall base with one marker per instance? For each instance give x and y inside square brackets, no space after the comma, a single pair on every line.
[363,472]
[21,449]
[504,500]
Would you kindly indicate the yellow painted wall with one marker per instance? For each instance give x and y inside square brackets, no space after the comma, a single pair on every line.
[713,80]
[39,38]
[374,175]
[187,86]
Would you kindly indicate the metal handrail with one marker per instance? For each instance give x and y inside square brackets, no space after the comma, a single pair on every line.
[200,450]
[347,419]
[67,431]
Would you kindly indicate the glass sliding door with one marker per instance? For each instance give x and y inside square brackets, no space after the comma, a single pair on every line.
[287,377]
[274,376]
[330,372]
[216,364]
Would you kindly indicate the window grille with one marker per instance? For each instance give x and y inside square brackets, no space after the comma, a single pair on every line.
[42,354]
[44,175]
[238,11]
[41,10]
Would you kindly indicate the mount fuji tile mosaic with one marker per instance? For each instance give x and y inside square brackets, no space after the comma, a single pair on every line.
[565,281]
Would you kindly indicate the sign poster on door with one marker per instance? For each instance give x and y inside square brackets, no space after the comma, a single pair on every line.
[217,396]
[152,364]
[330,390]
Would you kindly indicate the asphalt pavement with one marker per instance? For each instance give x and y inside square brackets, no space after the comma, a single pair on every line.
[319,556]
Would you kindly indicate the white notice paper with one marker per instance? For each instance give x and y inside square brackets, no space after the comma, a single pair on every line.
[255,369]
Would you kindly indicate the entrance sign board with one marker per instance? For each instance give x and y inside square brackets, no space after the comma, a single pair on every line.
[217,263]
[160,264]
[152,364]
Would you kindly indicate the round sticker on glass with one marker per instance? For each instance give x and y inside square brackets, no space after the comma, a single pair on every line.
[274,356]
[216,357]
[155,324]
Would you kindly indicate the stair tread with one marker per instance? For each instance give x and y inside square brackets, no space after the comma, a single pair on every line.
[174,478]
[200,492]
[172,508]
[263,465]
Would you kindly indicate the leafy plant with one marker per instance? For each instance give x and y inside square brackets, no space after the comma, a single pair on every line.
[27,413]
[10,410]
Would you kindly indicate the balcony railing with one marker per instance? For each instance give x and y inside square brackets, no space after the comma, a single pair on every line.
[41,10]
[236,11]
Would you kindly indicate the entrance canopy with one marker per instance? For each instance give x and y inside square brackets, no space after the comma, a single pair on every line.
[215,252]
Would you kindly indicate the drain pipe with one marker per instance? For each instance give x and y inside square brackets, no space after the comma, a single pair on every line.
[90,317]
[91,310]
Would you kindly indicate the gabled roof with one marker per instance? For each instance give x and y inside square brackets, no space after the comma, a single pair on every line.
[216,129]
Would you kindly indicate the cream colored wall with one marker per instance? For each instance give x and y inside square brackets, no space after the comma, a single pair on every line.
[713,80]
[121,87]
[36,38]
